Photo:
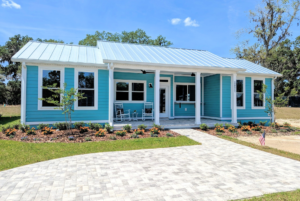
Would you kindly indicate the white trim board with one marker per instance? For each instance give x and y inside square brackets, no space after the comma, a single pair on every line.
[244,93]
[252,94]
[53,122]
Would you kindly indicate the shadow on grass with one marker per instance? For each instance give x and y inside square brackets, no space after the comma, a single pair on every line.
[9,120]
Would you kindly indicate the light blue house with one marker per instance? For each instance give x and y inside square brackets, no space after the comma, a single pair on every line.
[183,86]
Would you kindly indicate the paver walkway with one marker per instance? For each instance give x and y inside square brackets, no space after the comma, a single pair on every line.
[216,170]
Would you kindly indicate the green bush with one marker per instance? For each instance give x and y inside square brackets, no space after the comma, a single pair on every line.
[11,136]
[121,133]
[134,136]
[154,130]
[169,135]
[109,128]
[159,127]
[219,125]
[227,125]
[61,126]
[77,125]
[112,138]
[154,135]
[263,123]
[24,127]
[142,127]
[139,132]
[88,139]
[16,126]
[95,126]
[127,128]
[203,127]
[31,131]
[240,124]
[256,128]
[42,126]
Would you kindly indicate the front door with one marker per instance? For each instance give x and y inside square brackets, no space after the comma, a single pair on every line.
[164,101]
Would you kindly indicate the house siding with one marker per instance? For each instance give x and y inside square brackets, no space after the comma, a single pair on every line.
[35,115]
[212,96]
[226,96]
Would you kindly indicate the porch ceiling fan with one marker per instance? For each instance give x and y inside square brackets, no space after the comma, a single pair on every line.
[145,72]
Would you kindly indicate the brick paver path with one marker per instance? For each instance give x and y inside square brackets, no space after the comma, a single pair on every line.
[216,170]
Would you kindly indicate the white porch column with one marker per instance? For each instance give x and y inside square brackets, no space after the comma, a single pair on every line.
[273,88]
[111,94]
[23,93]
[233,99]
[156,96]
[198,100]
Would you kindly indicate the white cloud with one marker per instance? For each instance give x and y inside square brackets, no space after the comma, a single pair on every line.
[10,4]
[175,21]
[189,22]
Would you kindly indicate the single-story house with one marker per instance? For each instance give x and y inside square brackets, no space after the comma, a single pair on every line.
[153,82]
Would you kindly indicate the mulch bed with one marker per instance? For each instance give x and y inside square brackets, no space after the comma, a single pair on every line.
[240,133]
[63,136]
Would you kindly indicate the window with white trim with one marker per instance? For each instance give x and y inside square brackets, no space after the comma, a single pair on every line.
[130,90]
[52,80]
[240,94]
[86,85]
[185,92]
[257,86]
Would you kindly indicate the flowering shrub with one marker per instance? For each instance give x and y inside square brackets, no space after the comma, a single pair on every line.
[232,129]
[139,132]
[10,131]
[219,129]
[121,133]
[31,131]
[100,133]
[246,128]
[286,124]
[83,129]
[256,128]
[47,131]
[154,130]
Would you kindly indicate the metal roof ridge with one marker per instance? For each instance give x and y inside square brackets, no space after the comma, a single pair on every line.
[149,45]
[63,44]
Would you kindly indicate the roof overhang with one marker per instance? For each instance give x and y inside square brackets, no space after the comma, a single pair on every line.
[259,74]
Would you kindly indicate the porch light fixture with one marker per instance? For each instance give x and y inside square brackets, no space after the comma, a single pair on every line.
[145,72]
[150,85]
[193,74]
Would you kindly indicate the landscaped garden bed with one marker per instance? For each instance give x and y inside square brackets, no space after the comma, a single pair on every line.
[80,133]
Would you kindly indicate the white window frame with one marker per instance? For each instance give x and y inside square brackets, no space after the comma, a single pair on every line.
[244,92]
[178,83]
[40,84]
[130,91]
[252,93]
[87,70]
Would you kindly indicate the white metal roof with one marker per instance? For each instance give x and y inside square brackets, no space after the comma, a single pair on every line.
[252,67]
[43,52]
[148,54]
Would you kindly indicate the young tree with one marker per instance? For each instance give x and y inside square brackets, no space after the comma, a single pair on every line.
[270,109]
[68,97]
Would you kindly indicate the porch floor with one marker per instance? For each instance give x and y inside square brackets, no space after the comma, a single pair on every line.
[170,123]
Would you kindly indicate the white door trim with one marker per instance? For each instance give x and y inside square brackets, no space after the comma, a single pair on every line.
[166,85]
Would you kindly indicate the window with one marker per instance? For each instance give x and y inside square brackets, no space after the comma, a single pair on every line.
[185,92]
[86,81]
[240,93]
[127,90]
[52,78]
[257,85]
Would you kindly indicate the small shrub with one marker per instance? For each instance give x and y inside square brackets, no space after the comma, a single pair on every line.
[256,128]
[227,125]
[159,127]
[219,125]
[240,125]
[250,123]
[71,138]
[263,123]
[127,128]
[24,127]
[139,132]
[283,131]
[121,133]
[47,131]
[142,127]
[16,126]
[219,129]
[274,125]
[24,138]
[134,136]
[232,129]
[154,135]
[219,133]
[36,139]
[112,138]
[31,131]
[204,127]
[77,125]
[286,124]
[88,139]
[95,126]
[245,124]
[109,128]
[154,130]
[249,132]
[61,126]
[273,131]
[83,129]
[10,131]
[246,128]
[42,126]
[100,133]
[11,136]
[169,135]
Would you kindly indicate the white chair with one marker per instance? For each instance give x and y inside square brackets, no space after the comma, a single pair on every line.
[121,114]
[147,111]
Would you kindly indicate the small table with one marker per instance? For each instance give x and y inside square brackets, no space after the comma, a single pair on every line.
[134,116]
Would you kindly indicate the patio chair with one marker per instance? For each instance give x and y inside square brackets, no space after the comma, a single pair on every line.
[121,114]
[147,111]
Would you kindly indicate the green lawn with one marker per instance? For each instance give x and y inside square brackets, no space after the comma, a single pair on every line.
[286,196]
[4,121]
[15,154]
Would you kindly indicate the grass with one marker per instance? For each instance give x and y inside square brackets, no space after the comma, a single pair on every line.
[5,121]
[288,196]
[7,111]
[287,113]
[14,154]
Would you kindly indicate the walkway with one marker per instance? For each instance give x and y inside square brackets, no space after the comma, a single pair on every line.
[216,170]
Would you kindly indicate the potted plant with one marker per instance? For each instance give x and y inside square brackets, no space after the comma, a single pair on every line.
[134,111]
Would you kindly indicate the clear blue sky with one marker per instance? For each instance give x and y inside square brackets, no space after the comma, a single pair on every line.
[211,24]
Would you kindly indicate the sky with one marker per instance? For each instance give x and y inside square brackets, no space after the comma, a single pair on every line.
[199,24]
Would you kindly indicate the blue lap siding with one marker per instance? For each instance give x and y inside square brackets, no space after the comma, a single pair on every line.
[212,96]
